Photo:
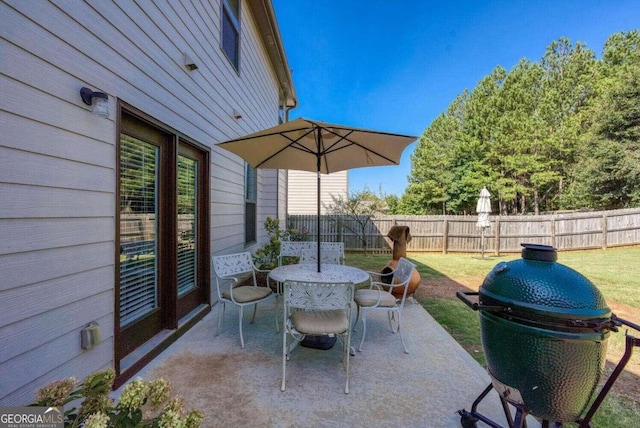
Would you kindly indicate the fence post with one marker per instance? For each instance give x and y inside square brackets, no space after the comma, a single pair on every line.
[445,236]
[553,232]
[496,240]
[604,231]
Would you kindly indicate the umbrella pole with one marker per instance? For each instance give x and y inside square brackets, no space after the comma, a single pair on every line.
[318,217]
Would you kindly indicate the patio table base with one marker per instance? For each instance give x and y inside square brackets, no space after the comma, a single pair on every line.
[319,342]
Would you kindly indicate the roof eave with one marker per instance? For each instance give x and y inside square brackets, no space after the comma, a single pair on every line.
[268,27]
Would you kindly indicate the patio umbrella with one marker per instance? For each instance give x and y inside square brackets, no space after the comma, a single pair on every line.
[483,208]
[310,145]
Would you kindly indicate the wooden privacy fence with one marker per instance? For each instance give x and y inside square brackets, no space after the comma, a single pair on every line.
[571,231]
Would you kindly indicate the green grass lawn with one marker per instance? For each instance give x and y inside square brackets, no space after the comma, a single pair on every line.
[616,273]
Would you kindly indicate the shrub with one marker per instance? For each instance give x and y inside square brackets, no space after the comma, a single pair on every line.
[141,404]
[266,257]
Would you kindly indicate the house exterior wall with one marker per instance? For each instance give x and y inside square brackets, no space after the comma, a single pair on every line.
[282,196]
[303,187]
[58,160]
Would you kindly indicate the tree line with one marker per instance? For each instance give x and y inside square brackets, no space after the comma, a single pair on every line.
[562,133]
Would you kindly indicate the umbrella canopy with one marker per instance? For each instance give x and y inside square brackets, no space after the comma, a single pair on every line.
[483,208]
[309,145]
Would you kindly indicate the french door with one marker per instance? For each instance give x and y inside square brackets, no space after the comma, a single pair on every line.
[192,254]
[162,266]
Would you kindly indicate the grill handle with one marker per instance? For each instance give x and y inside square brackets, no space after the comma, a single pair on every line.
[630,343]
[619,321]
[464,296]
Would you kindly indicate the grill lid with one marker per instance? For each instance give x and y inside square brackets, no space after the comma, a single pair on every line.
[536,287]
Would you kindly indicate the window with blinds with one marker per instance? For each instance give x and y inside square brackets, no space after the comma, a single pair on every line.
[251,199]
[138,228]
[187,224]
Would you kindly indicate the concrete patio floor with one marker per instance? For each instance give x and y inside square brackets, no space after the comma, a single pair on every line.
[237,387]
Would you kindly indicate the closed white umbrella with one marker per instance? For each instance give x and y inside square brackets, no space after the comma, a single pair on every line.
[310,145]
[483,208]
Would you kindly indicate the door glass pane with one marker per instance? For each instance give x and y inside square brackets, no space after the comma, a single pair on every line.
[138,228]
[187,224]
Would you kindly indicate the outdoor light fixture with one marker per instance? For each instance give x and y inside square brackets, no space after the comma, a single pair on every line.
[99,101]
[90,336]
[189,62]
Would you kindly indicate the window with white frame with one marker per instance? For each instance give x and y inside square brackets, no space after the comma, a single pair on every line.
[231,31]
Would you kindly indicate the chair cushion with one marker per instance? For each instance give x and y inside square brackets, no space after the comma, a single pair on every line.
[247,293]
[368,297]
[320,322]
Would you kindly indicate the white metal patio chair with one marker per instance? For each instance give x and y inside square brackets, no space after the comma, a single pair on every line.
[317,309]
[328,255]
[334,247]
[293,248]
[229,270]
[378,297]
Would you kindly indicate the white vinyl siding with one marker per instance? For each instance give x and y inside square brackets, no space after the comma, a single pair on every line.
[57,159]
[303,188]
[281,202]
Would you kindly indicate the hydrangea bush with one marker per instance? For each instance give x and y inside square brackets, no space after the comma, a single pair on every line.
[141,404]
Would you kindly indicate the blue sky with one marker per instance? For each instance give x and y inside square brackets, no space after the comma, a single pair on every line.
[395,65]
